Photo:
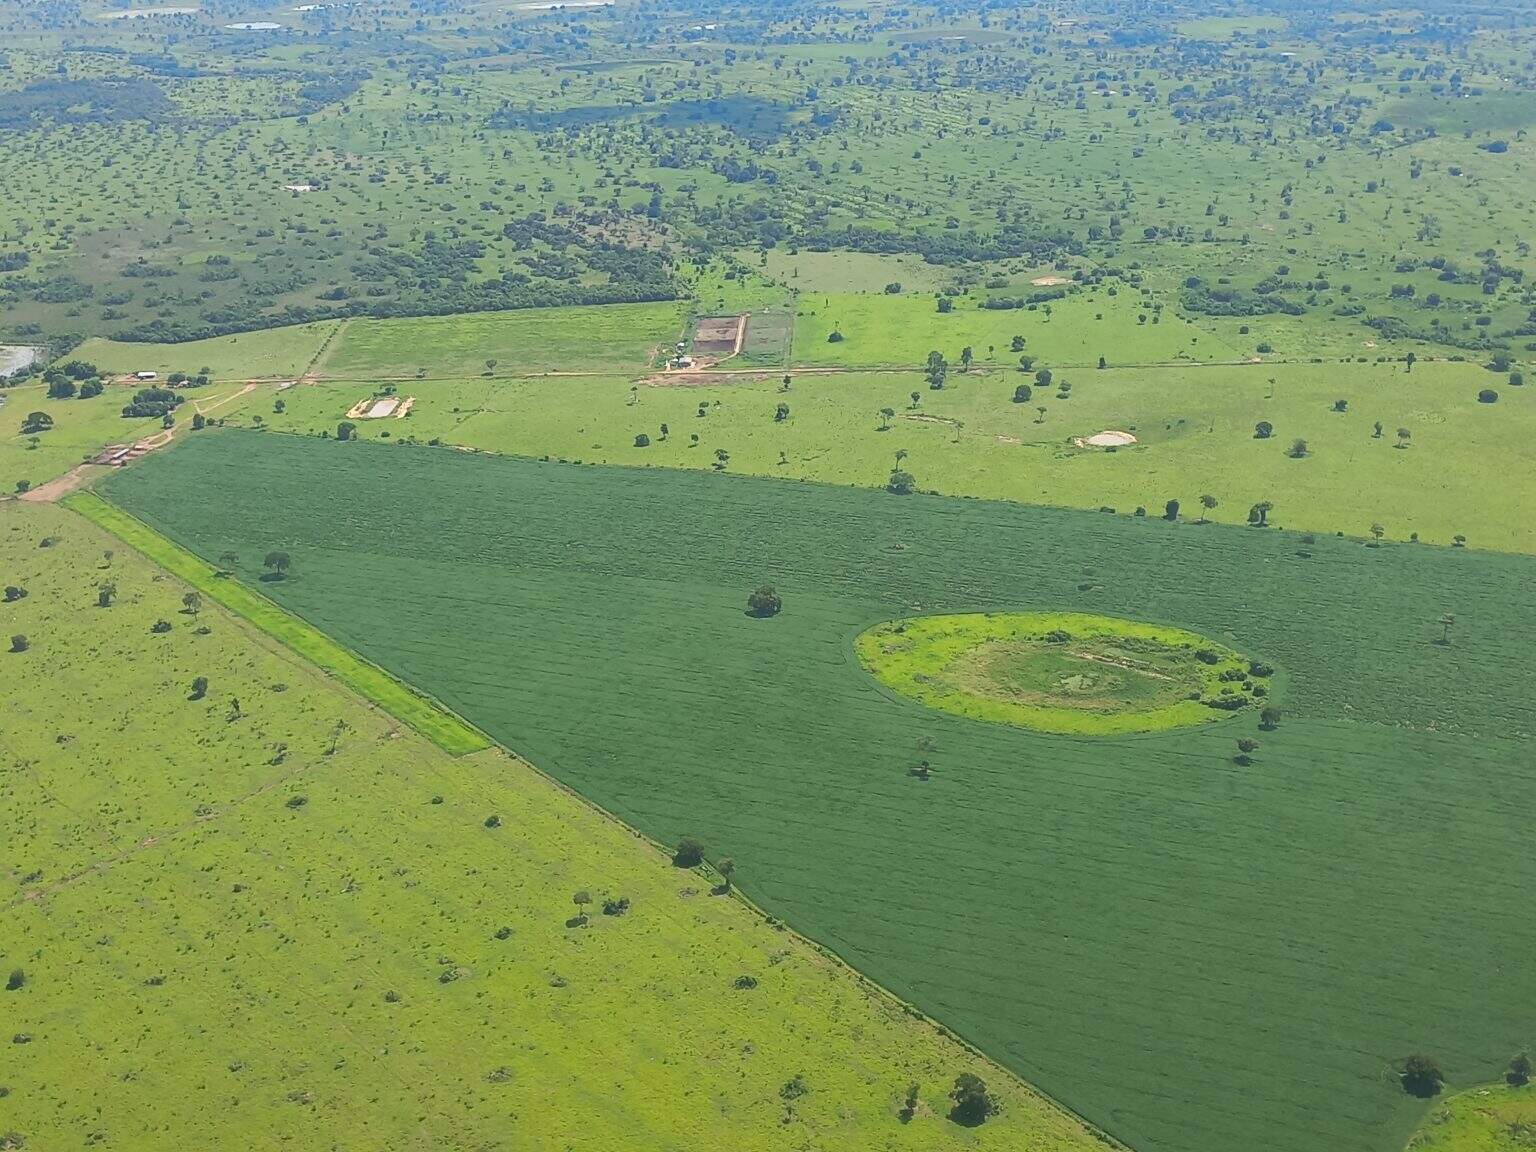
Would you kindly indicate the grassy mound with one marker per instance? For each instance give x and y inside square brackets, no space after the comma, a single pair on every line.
[1066,672]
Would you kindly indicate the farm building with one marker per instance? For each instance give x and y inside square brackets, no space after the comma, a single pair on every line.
[146,375]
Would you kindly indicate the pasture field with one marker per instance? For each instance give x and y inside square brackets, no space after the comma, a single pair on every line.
[1195,429]
[1193,953]
[880,331]
[264,354]
[615,338]
[288,923]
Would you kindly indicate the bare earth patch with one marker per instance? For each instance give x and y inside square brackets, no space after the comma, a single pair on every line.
[1109,438]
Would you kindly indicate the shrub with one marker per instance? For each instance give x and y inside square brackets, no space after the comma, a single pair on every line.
[346,430]
[20,643]
[1519,1074]
[1421,1076]
[900,483]
[764,602]
[1263,430]
[16,981]
[744,983]
[1487,396]
[1022,394]
[642,441]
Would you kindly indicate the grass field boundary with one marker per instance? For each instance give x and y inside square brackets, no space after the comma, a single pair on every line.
[432,720]
[457,737]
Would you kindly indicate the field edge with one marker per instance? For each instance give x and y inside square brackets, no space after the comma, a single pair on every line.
[458,738]
[438,724]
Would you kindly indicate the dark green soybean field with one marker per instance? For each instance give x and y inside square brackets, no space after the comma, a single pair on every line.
[1199,956]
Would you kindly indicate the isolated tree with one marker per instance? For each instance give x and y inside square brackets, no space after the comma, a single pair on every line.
[199,688]
[1403,436]
[20,643]
[1044,377]
[36,422]
[1376,430]
[966,356]
[1411,359]
[277,563]
[781,413]
[689,853]
[227,562]
[1297,450]
[971,1104]
[886,416]
[16,981]
[722,458]
[1246,747]
[1208,503]
[765,602]
[346,430]
[105,594]
[1258,515]
[901,483]
[1263,430]
[1519,1074]
[1421,1076]
[1446,622]
[1022,394]
[490,366]
[1016,344]
[14,593]
[199,421]
[936,369]
[581,899]
[725,866]
[642,440]
[917,398]
[1377,531]
[1269,719]
[192,603]
[1341,405]
[1171,510]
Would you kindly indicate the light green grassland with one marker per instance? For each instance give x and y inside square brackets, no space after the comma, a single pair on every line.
[881,330]
[1493,1118]
[806,271]
[299,912]
[80,427]
[1195,427]
[444,729]
[614,338]
[267,353]
[1029,670]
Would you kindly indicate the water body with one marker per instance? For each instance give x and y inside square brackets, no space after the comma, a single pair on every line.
[13,358]
[254,26]
[135,13]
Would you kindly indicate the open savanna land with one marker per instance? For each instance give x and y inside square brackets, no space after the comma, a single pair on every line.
[1195,430]
[553,403]
[271,914]
[1196,953]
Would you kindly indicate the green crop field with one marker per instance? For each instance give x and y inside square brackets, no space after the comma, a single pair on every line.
[1196,954]
[286,922]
